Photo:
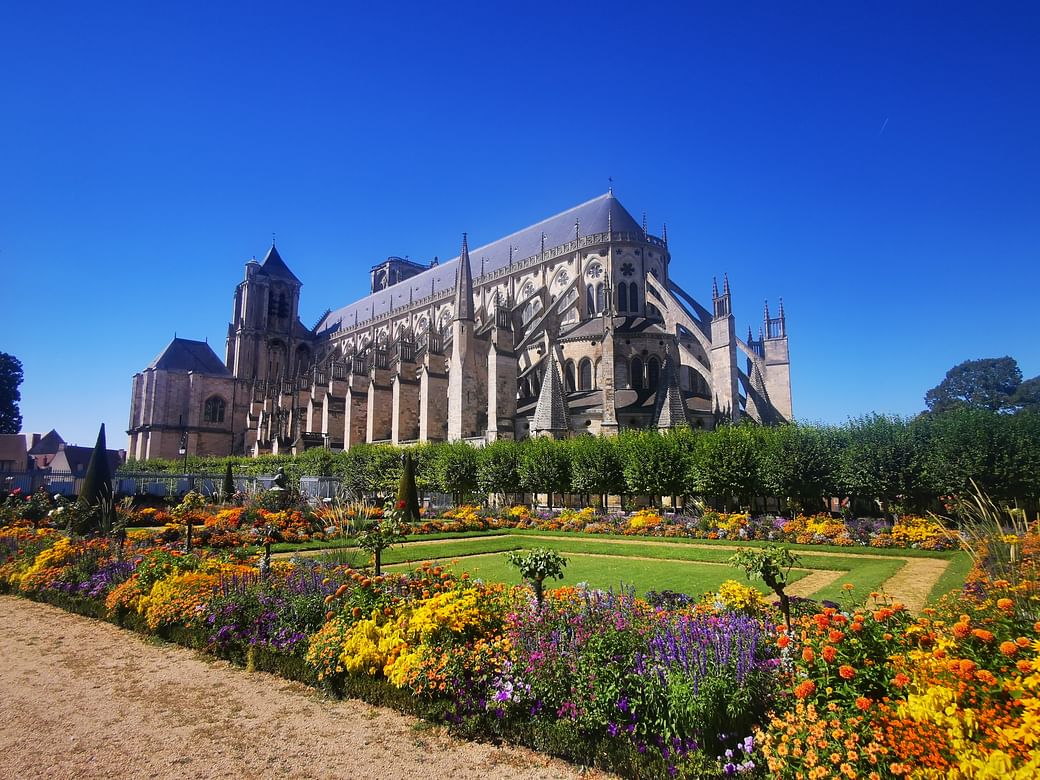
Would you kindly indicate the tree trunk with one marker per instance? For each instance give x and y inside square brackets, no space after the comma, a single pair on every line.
[379,557]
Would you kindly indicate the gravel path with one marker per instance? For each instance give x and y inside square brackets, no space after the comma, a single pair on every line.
[80,698]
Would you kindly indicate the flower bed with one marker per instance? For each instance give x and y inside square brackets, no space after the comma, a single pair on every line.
[692,687]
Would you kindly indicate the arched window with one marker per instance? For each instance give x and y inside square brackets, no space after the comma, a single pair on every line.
[622,296]
[568,373]
[275,360]
[214,410]
[531,310]
[597,374]
[653,373]
[590,300]
[621,373]
[601,298]
[585,374]
[633,297]
[303,359]
[637,374]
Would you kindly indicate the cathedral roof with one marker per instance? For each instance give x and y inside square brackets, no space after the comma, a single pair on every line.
[593,216]
[188,355]
[275,267]
[670,408]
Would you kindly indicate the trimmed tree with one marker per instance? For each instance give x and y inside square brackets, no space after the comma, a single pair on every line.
[407,494]
[97,485]
[229,483]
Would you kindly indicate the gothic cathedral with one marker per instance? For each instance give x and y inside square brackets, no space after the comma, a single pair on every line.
[569,326]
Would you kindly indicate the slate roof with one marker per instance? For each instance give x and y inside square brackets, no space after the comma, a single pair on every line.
[551,412]
[48,445]
[592,217]
[79,458]
[275,267]
[670,407]
[188,355]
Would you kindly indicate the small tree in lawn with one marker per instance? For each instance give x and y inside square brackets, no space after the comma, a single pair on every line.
[407,494]
[536,566]
[97,488]
[772,564]
[373,535]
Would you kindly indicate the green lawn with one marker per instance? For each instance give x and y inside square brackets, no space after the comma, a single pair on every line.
[607,561]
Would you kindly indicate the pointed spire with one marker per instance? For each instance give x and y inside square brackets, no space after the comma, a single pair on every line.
[725,284]
[510,253]
[669,408]
[543,242]
[464,285]
[644,224]
[610,186]
[664,233]
[577,228]
[765,316]
[550,414]
[714,287]
[750,338]
[780,314]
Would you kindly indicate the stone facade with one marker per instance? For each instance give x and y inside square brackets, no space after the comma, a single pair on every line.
[462,350]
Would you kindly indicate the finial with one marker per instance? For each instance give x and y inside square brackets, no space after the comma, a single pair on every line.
[610,221]
[465,246]
[714,287]
[725,284]
[577,228]
[781,313]
[610,185]
[272,238]
[510,254]
[750,338]
[766,315]
[482,265]
[543,242]
[644,224]
[664,233]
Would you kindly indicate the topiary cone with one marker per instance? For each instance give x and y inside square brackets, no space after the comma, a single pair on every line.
[407,494]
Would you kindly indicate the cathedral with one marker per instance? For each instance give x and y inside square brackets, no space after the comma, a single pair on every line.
[570,326]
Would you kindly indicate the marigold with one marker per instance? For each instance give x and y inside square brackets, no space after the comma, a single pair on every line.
[829,653]
[983,635]
[985,676]
[900,680]
[1008,648]
[862,703]
[805,689]
[846,672]
[835,636]
[961,629]
[783,641]
[1005,604]
[1024,666]
[808,655]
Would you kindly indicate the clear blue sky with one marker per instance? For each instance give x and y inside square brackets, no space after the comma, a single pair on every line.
[877,166]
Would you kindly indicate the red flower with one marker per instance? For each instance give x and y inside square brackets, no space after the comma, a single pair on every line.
[401,504]
[805,689]
[829,653]
[846,672]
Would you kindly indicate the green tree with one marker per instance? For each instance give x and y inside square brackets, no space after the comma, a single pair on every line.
[10,378]
[800,463]
[727,463]
[407,495]
[96,493]
[455,470]
[229,483]
[881,461]
[596,467]
[498,468]
[545,466]
[536,566]
[989,383]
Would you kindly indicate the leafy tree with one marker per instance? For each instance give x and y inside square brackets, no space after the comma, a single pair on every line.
[10,377]
[772,564]
[881,461]
[596,466]
[801,463]
[407,495]
[545,466]
[229,484]
[536,566]
[728,463]
[989,383]
[498,467]
[373,535]
[656,464]
[455,469]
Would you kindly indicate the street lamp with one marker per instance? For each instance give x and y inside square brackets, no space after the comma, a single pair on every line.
[183,451]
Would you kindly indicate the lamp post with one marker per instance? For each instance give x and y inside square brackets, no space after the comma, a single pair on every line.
[183,451]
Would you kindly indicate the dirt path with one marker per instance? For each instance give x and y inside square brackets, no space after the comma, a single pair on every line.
[910,585]
[83,699]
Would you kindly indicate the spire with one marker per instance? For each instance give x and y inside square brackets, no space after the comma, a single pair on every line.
[543,242]
[750,338]
[670,408]
[464,285]
[765,316]
[550,414]
[274,266]
[780,314]
[664,233]
[725,284]
[714,287]
[644,224]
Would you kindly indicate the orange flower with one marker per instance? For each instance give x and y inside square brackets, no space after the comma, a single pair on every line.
[829,653]
[862,703]
[1024,666]
[961,629]
[1000,583]
[1005,604]
[985,676]
[900,680]
[846,672]
[1023,642]
[805,689]
[783,641]
[808,655]
[835,636]
[1008,648]
[983,635]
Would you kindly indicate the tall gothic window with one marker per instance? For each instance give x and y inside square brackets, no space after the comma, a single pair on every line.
[213,412]
[590,300]
[637,374]
[622,296]
[585,374]
[597,374]
[633,297]
[601,298]
[653,373]
[568,372]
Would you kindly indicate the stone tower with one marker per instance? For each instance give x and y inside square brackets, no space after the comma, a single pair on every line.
[724,370]
[778,362]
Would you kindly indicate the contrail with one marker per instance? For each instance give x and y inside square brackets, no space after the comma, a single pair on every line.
[883,126]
